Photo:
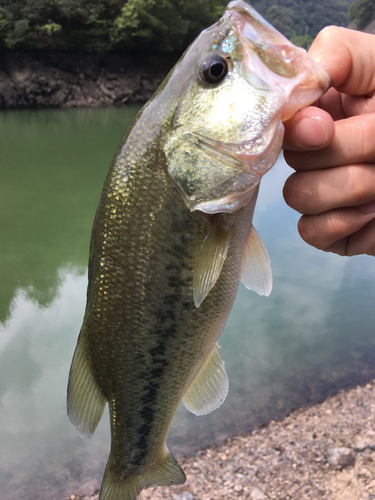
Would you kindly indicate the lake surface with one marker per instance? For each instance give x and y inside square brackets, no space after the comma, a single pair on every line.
[312,337]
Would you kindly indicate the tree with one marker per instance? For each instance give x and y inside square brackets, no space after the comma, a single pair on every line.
[362,12]
[143,22]
[155,26]
[303,17]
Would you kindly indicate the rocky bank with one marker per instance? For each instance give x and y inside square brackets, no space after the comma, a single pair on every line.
[66,80]
[324,452]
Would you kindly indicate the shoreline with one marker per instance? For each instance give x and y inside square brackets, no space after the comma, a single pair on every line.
[39,80]
[322,452]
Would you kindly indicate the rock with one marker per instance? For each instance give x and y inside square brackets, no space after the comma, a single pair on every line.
[186,495]
[49,79]
[340,457]
[360,445]
[256,494]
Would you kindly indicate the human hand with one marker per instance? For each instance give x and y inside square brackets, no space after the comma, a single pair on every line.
[332,148]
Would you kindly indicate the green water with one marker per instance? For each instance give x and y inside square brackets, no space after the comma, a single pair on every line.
[52,169]
[312,337]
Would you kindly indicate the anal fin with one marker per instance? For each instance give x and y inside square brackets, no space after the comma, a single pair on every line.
[210,386]
[85,400]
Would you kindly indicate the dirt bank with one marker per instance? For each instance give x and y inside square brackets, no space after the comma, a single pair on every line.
[60,79]
[324,452]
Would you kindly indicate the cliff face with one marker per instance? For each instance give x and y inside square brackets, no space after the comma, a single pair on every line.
[58,79]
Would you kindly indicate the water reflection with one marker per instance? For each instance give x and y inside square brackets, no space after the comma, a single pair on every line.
[42,454]
[311,337]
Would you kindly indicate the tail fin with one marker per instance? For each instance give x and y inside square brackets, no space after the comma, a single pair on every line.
[169,472]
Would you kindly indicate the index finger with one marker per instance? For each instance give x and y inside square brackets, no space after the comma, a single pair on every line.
[346,55]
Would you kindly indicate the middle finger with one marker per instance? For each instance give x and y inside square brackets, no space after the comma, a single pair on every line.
[353,143]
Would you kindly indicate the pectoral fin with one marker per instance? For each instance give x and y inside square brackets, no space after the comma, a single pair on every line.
[209,388]
[210,261]
[256,265]
[86,401]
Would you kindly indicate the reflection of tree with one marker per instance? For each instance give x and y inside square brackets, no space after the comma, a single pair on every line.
[53,165]
[18,370]
[40,449]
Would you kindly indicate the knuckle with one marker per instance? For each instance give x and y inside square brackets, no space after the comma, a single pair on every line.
[358,182]
[352,182]
[328,34]
[323,230]
[367,134]
[333,225]
[358,139]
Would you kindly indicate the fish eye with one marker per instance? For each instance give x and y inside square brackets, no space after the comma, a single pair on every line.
[214,69]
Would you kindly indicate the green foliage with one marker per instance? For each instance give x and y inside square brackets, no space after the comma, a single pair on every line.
[282,18]
[162,26]
[302,41]
[19,32]
[300,18]
[102,25]
[50,28]
[143,21]
[362,12]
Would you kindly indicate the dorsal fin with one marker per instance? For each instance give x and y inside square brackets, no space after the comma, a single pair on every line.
[256,265]
[210,261]
[210,386]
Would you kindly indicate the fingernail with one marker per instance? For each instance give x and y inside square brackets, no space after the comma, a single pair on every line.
[367,208]
[311,132]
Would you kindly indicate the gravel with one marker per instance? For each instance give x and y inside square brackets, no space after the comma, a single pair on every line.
[324,452]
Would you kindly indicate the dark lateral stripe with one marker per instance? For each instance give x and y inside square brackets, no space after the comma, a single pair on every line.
[166,331]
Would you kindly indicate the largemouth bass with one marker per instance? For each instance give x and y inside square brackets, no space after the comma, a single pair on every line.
[173,237]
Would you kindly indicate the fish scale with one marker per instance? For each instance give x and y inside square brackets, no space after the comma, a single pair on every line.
[156,318]
[173,237]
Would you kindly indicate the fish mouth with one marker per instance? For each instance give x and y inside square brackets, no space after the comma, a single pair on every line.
[271,61]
